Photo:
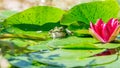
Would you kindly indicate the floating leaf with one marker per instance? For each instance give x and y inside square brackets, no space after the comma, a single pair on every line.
[37,15]
[73,43]
[64,58]
[22,42]
[92,11]
[70,40]
[108,45]
[14,32]
[39,46]
[20,61]
[27,24]
[112,64]
[84,46]
[90,46]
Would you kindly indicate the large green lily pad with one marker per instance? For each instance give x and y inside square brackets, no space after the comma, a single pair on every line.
[92,11]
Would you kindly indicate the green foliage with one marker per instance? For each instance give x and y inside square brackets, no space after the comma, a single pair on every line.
[77,43]
[16,32]
[65,59]
[3,15]
[108,45]
[67,52]
[38,15]
[27,44]
[31,22]
[73,43]
[91,11]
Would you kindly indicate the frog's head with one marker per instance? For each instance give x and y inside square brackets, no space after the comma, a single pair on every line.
[59,32]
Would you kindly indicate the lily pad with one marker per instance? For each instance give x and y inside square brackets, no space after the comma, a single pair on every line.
[65,58]
[92,11]
[108,45]
[37,15]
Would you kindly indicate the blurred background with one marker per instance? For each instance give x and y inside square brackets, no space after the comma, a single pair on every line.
[19,5]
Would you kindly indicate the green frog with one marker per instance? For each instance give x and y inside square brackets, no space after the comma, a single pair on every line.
[59,32]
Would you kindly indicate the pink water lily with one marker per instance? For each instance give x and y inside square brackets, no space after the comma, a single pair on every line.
[105,32]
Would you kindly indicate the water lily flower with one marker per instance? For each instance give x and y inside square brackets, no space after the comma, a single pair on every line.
[105,32]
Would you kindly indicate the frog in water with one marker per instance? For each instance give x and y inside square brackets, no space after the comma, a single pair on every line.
[59,32]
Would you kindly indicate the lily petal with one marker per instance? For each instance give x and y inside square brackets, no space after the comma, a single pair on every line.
[95,35]
[114,34]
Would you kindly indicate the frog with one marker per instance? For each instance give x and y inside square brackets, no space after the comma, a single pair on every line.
[60,32]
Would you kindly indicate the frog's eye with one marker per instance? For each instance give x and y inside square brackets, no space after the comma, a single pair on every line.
[56,28]
[61,28]
[51,30]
